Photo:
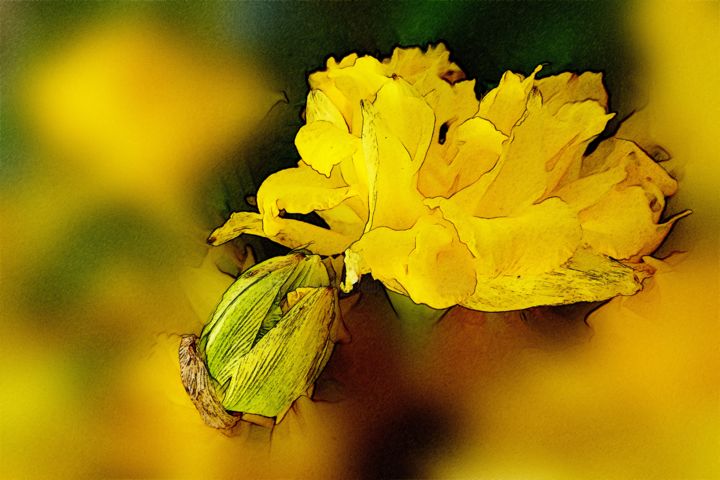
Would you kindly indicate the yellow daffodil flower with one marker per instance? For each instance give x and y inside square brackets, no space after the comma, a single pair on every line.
[489,204]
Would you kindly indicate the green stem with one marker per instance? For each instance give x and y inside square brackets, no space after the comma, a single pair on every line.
[415,320]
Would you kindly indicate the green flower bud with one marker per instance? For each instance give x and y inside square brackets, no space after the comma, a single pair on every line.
[267,342]
[285,363]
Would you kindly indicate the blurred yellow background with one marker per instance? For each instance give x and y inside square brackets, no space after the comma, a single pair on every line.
[103,265]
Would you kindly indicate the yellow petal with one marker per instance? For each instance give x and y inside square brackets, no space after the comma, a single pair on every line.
[640,168]
[347,83]
[617,163]
[640,129]
[566,165]
[655,239]
[236,225]
[620,200]
[437,80]
[622,224]
[291,233]
[537,240]
[407,116]
[319,107]
[322,145]
[412,64]
[301,190]
[350,217]
[478,148]
[453,105]
[321,81]
[504,105]
[371,157]
[361,80]
[569,87]
[539,151]
[354,172]
[427,262]
[394,200]
[587,277]
[588,190]
[346,218]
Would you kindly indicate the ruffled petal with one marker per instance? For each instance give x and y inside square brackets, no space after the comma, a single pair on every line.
[622,224]
[641,169]
[354,170]
[638,128]
[394,200]
[568,87]
[322,145]
[588,190]
[412,64]
[504,105]
[586,277]
[290,233]
[347,218]
[236,225]
[540,150]
[298,190]
[348,82]
[426,262]
[407,117]
[537,240]
[438,80]
[319,107]
[478,147]
[321,81]
[452,105]
[491,205]
[566,165]
[620,200]
[618,163]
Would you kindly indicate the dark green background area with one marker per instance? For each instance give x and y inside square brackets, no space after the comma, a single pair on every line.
[292,39]
[295,38]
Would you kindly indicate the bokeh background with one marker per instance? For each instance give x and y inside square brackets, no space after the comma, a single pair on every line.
[128,130]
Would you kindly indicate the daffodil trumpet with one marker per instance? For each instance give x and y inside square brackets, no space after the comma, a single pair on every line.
[492,204]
